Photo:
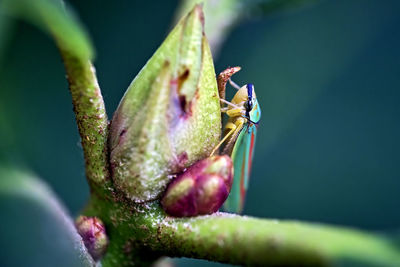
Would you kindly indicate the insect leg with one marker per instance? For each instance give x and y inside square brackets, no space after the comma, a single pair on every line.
[237,126]
[232,130]
[236,112]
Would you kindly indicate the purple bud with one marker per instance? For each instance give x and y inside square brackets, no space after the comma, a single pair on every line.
[94,236]
[201,189]
[212,193]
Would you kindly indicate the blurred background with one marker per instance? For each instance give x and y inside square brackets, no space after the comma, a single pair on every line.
[327,77]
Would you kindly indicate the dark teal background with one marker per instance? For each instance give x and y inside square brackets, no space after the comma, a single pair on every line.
[327,78]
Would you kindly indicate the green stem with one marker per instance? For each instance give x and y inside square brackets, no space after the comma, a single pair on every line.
[140,234]
[90,115]
[76,50]
[249,241]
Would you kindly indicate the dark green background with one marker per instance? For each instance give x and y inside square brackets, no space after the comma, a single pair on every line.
[327,78]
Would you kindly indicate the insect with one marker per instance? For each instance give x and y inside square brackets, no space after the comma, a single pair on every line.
[239,136]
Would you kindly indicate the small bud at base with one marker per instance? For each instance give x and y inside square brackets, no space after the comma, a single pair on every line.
[201,189]
[93,233]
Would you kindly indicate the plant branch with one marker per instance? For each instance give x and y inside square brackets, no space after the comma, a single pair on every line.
[249,241]
[141,233]
[90,115]
[76,50]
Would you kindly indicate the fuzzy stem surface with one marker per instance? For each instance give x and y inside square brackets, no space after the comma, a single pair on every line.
[140,234]
[90,115]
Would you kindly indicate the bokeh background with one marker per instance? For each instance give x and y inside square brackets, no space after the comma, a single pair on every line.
[327,77]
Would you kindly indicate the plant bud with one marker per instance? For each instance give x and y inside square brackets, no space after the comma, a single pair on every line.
[94,236]
[201,189]
[170,115]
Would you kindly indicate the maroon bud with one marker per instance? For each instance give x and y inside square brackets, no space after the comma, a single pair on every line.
[201,189]
[212,193]
[94,236]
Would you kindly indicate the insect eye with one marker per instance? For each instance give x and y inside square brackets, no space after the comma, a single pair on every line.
[249,105]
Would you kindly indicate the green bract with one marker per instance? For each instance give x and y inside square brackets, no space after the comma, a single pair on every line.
[170,116]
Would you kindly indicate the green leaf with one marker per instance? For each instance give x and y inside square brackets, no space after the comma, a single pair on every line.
[36,229]
[54,18]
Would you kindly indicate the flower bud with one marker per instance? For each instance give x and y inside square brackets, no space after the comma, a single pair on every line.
[170,115]
[94,236]
[201,189]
